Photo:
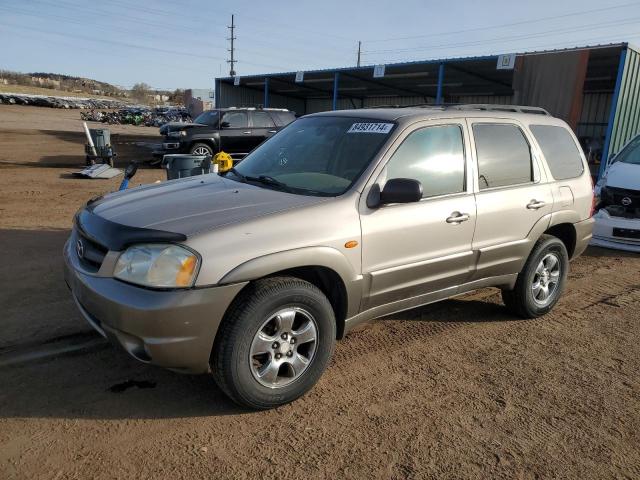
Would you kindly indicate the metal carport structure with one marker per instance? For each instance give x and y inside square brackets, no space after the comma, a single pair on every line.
[579,85]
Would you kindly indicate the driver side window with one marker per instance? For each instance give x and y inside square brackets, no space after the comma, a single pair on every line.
[435,157]
[234,120]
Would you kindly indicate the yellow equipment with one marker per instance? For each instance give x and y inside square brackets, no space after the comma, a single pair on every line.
[224,161]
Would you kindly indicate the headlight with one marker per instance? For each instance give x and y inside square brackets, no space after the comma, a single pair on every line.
[158,265]
[178,133]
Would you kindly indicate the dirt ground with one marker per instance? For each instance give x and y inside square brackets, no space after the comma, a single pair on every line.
[459,389]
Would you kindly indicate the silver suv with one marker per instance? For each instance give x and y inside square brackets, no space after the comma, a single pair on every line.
[340,218]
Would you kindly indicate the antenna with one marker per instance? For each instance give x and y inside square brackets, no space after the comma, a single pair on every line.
[232,61]
[359,45]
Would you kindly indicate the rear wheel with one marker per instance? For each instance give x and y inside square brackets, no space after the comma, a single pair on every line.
[201,149]
[274,343]
[541,281]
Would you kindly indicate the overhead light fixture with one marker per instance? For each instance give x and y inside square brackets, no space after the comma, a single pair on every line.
[458,84]
[407,75]
[318,80]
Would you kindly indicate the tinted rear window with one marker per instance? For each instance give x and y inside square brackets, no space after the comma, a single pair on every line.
[560,151]
[283,118]
[504,157]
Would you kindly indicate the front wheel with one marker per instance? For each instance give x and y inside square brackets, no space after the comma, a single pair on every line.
[541,281]
[201,149]
[274,343]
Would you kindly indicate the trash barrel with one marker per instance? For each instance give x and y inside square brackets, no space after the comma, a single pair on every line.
[101,138]
[181,166]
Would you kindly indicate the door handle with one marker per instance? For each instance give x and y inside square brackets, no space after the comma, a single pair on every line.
[457,217]
[248,132]
[535,204]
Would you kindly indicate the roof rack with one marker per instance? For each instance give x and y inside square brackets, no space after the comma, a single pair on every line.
[499,108]
[474,106]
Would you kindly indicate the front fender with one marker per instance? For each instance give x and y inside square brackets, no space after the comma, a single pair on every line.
[302,257]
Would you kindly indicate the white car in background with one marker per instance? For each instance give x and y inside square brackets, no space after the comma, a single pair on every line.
[618,200]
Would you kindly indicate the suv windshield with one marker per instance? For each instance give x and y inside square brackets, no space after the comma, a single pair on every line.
[316,155]
[207,118]
[631,153]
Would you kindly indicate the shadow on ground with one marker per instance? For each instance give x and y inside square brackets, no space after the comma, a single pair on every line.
[105,383]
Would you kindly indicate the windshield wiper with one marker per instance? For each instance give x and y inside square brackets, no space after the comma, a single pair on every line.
[237,174]
[268,180]
[263,179]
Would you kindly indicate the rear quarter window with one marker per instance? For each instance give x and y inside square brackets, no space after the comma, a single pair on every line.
[560,151]
[283,118]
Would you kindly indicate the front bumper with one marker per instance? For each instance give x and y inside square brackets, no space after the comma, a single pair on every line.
[174,329]
[603,232]
[170,146]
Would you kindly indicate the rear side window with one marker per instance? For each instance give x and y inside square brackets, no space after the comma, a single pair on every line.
[262,120]
[560,151]
[435,157]
[283,118]
[234,120]
[504,156]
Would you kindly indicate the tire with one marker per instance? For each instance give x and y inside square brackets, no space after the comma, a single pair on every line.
[527,299]
[201,149]
[258,317]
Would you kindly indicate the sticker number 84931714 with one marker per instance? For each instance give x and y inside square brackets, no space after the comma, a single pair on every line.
[370,128]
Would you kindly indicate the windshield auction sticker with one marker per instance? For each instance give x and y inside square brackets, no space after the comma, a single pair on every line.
[370,128]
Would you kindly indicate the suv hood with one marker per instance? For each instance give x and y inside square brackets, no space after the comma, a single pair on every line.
[195,204]
[172,126]
[623,175]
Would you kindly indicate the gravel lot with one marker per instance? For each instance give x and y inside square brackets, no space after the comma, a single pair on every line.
[459,389]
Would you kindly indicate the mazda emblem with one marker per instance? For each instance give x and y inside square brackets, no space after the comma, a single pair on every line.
[80,249]
[626,201]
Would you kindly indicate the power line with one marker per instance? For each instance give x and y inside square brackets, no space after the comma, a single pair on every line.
[506,38]
[503,25]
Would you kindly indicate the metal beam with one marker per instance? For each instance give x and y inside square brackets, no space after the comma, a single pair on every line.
[479,75]
[336,78]
[440,81]
[612,114]
[385,85]
[308,87]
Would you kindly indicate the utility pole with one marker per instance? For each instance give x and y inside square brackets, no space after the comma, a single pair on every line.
[359,45]
[232,61]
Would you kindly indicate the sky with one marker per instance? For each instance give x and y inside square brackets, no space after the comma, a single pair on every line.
[183,43]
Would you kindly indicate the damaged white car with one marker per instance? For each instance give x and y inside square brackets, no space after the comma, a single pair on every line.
[617,222]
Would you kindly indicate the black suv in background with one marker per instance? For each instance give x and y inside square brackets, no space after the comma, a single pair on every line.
[235,131]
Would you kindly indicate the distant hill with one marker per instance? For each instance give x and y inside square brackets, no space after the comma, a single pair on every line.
[63,83]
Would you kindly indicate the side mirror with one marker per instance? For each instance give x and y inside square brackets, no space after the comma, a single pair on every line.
[224,125]
[396,190]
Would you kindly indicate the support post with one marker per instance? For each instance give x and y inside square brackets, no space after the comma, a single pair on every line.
[266,93]
[612,115]
[440,81]
[336,76]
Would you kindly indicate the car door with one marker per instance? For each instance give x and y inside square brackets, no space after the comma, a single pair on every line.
[512,196]
[235,134]
[417,248]
[262,127]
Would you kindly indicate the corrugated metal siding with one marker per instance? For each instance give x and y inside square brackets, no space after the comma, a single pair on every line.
[489,99]
[626,123]
[594,116]
[232,96]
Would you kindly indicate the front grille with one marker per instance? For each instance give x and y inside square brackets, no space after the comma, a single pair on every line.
[622,196]
[626,233]
[90,253]
[621,202]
